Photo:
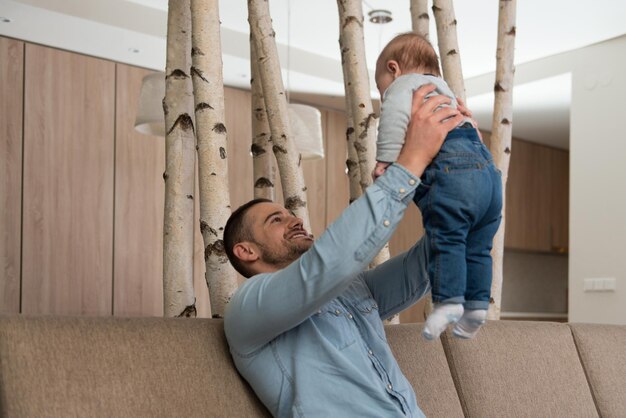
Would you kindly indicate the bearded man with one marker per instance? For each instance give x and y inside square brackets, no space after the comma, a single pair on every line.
[306,329]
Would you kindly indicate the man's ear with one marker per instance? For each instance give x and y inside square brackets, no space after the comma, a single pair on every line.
[394,68]
[246,251]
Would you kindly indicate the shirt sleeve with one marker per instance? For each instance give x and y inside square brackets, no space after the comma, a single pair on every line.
[401,281]
[271,303]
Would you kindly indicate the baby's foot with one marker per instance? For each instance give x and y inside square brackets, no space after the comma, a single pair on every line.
[470,323]
[442,315]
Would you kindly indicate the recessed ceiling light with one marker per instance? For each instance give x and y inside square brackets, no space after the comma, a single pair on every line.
[5,19]
[134,50]
[380,16]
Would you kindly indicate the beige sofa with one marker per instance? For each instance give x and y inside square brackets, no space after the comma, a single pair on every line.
[153,367]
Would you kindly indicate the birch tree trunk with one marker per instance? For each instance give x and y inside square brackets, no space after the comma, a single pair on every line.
[211,134]
[288,158]
[357,84]
[358,100]
[352,162]
[178,292]
[264,171]
[449,46]
[501,133]
[419,17]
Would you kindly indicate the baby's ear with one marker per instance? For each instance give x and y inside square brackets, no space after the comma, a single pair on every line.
[393,67]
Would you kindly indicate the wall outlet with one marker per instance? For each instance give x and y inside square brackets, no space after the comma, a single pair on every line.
[603,284]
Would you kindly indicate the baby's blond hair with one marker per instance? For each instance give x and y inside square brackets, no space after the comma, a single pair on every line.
[412,52]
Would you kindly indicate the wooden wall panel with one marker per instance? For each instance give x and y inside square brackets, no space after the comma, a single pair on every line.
[239,126]
[11,106]
[559,204]
[68,183]
[315,180]
[528,198]
[337,182]
[139,195]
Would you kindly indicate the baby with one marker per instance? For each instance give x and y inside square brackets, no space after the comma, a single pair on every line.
[460,195]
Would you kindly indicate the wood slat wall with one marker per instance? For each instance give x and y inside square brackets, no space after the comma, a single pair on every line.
[139,195]
[93,190]
[11,105]
[68,183]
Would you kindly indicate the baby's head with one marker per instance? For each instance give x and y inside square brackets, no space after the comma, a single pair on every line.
[404,54]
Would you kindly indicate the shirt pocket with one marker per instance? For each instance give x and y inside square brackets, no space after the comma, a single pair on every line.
[369,311]
[333,323]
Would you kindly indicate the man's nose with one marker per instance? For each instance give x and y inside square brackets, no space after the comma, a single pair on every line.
[295,222]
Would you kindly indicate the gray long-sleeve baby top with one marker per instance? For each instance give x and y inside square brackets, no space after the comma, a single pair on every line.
[395,112]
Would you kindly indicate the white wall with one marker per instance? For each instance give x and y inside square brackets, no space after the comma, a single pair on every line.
[597,247]
[598,182]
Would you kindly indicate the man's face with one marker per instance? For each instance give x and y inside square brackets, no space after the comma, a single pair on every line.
[279,234]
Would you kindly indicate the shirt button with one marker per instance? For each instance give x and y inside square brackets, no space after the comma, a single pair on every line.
[402,190]
[350,316]
[386,223]
[319,312]
[370,352]
[389,386]
[337,312]
[411,182]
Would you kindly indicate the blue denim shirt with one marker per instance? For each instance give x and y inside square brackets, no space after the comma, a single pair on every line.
[310,339]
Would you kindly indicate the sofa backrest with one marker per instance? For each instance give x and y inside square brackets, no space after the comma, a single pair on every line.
[602,350]
[520,369]
[424,364]
[157,367]
[110,367]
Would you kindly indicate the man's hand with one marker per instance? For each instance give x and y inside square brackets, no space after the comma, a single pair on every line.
[428,128]
[468,114]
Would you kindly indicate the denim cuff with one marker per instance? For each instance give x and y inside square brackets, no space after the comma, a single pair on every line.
[476,304]
[398,181]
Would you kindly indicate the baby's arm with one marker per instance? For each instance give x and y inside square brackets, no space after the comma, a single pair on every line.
[379,170]
[395,113]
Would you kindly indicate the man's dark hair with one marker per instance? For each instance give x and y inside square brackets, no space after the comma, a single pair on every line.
[238,230]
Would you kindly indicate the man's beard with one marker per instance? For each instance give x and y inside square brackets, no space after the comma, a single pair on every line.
[286,257]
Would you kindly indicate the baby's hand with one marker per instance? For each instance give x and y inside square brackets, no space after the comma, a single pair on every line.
[379,169]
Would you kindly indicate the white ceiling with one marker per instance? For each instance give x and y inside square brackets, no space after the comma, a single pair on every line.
[113,29]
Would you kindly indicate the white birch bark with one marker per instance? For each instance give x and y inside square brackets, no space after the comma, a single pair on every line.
[419,17]
[358,99]
[288,158]
[501,134]
[264,170]
[208,84]
[357,84]
[178,292]
[449,46]
[352,162]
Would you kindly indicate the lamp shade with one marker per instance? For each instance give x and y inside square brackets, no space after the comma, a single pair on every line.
[305,121]
[150,119]
[306,128]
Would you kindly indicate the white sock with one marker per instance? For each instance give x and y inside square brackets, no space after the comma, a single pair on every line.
[443,314]
[470,323]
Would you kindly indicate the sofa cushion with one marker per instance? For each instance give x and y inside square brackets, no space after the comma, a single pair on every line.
[424,365]
[602,350]
[119,367]
[515,369]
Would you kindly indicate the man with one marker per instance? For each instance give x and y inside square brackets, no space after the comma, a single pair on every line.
[306,329]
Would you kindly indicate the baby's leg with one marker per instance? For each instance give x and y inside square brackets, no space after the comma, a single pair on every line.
[479,263]
[468,326]
[443,314]
[446,226]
